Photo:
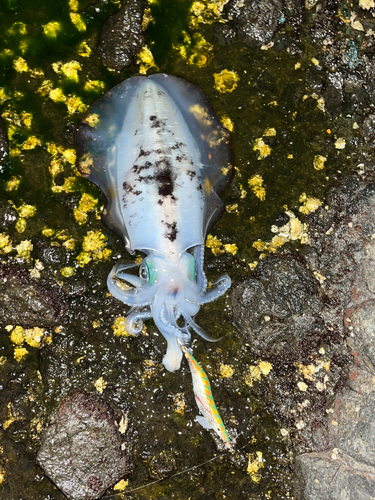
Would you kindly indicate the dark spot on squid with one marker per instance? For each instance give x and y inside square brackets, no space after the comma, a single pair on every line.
[129,189]
[172,230]
[138,168]
[166,178]
[156,123]
[142,152]
[191,174]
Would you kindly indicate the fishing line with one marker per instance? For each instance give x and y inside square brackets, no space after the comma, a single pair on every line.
[174,475]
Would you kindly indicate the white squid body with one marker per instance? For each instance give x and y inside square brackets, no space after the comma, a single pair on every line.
[162,158]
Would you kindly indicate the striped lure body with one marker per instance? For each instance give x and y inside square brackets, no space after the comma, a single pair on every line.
[204,399]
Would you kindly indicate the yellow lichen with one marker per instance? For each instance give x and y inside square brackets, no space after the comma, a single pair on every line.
[75,105]
[34,336]
[26,211]
[67,272]
[20,65]
[121,485]
[206,12]
[78,22]
[179,403]
[3,95]
[255,373]
[73,5]
[47,232]
[20,353]
[68,70]
[265,367]
[366,4]
[24,249]
[5,243]
[57,95]
[21,225]
[118,327]
[70,155]
[92,119]
[231,248]
[310,204]
[94,86]
[18,28]
[255,463]
[319,162]
[340,143]
[45,88]
[227,123]
[51,29]
[269,132]
[146,19]
[232,208]
[26,118]
[263,149]
[100,384]
[215,244]
[145,60]
[17,335]
[226,81]
[226,371]
[80,216]
[257,186]
[83,258]
[84,50]
[86,204]
[31,143]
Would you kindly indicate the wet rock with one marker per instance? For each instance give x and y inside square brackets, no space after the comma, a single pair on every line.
[322,476]
[29,302]
[255,22]
[3,145]
[277,307]
[121,37]
[81,448]
[8,215]
[345,465]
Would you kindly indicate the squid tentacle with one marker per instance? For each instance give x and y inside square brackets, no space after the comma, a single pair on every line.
[129,295]
[223,283]
[134,323]
[194,326]
[199,260]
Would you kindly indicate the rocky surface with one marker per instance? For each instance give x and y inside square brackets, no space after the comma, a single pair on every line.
[307,313]
[255,23]
[81,450]
[3,144]
[29,302]
[121,37]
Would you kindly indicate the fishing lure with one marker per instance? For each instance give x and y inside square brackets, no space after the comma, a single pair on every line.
[204,399]
[161,156]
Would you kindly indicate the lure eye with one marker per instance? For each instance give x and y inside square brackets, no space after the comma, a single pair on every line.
[144,272]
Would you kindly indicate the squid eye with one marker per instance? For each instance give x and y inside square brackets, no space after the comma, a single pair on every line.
[143,272]
[148,271]
[191,268]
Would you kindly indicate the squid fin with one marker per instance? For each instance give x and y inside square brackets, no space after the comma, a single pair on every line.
[203,421]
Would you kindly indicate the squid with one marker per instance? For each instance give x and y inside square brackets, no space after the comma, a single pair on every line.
[159,153]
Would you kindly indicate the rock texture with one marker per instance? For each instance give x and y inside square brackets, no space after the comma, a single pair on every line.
[121,37]
[29,302]
[81,448]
